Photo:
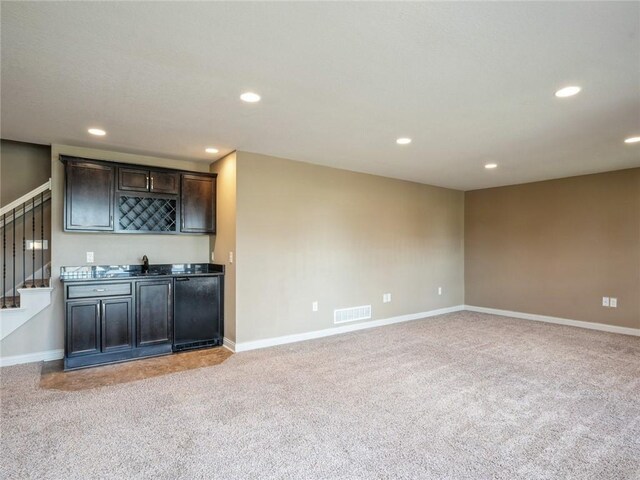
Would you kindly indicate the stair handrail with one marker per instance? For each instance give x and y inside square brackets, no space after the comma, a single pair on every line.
[23,199]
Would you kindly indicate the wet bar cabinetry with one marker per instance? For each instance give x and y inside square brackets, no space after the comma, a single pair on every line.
[115,321]
[154,312]
[103,196]
[142,180]
[89,196]
[117,317]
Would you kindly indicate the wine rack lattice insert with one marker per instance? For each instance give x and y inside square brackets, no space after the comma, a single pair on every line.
[147,214]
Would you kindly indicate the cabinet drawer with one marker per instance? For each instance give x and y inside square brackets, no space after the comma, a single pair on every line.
[99,290]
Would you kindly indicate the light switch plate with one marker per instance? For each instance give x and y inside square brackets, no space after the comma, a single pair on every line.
[314,306]
[212,257]
[439,290]
[613,302]
[230,257]
[605,301]
[37,245]
[89,257]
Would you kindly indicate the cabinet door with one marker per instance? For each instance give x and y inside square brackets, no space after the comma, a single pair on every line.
[154,312]
[133,179]
[89,196]
[83,327]
[164,182]
[198,204]
[116,324]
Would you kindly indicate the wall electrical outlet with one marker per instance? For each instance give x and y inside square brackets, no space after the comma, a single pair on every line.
[314,306]
[386,298]
[89,257]
[439,290]
[613,302]
[605,301]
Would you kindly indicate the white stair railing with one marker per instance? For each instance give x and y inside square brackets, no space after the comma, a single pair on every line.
[16,204]
[11,214]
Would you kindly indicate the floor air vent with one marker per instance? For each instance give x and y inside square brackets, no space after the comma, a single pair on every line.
[352,314]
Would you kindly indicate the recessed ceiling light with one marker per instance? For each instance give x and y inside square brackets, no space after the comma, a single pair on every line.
[403,141]
[211,150]
[632,140]
[490,166]
[568,91]
[250,97]
[97,131]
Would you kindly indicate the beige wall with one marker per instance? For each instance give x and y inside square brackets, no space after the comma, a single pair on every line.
[23,167]
[557,247]
[45,331]
[224,241]
[302,233]
[309,233]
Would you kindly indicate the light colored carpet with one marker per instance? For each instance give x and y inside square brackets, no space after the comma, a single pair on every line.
[460,396]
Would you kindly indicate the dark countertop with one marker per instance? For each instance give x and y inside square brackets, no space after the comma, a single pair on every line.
[114,272]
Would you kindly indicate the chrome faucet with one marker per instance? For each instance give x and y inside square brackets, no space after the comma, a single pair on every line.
[145,264]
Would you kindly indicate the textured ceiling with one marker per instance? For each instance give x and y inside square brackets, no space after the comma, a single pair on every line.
[471,83]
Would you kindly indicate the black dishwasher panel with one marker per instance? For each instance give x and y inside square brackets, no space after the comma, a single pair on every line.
[197,319]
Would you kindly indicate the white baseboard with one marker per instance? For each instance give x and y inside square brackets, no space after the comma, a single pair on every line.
[228,344]
[32,357]
[557,320]
[327,332]
[271,342]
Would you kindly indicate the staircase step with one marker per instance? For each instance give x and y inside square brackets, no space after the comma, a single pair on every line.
[36,283]
[32,302]
[10,302]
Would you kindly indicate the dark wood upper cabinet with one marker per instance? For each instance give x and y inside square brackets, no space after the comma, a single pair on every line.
[89,196]
[133,180]
[142,180]
[154,312]
[198,203]
[142,199]
[164,182]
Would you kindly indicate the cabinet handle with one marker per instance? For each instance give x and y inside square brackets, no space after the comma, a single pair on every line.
[147,187]
[182,279]
[152,182]
[99,289]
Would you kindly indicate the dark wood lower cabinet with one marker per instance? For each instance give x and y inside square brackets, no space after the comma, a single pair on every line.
[98,326]
[117,320]
[154,312]
[104,328]
[83,327]
[117,329]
